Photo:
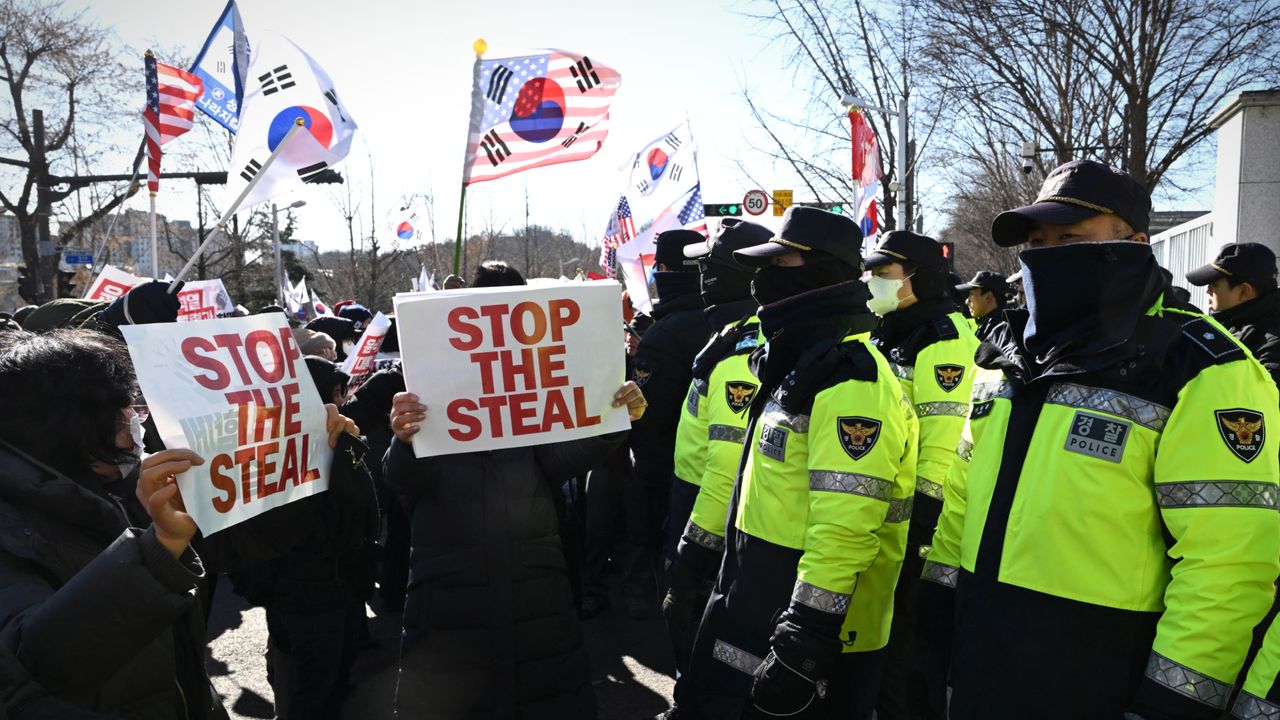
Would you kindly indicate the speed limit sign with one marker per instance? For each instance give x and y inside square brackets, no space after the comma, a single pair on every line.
[756,202]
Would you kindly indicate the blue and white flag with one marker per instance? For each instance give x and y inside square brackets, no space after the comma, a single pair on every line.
[223,67]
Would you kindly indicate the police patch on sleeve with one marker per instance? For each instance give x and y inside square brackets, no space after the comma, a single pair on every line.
[1098,437]
[857,435]
[1243,431]
[642,376]
[738,395]
[948,376]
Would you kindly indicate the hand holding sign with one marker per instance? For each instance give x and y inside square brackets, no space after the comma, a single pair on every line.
[158,493]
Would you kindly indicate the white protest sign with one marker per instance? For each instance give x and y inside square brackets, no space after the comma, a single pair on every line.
[512,366]
[235,391]
[359,365]
[203,300]
[112,283]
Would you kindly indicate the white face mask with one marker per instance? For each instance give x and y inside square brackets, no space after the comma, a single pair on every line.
[884,294]
[135,430]
[348,347]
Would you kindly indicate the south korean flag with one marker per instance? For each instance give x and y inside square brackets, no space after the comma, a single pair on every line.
[284,86]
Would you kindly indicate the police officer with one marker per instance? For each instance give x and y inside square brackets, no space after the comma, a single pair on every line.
[799,616]
[1241,285]
[1108,535]
[987,294]
[712,427]
[662,368]
[930,347]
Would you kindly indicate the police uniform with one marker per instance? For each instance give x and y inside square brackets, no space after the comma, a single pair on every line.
[930,347]
[817,520]
[998,286]
[1108,535]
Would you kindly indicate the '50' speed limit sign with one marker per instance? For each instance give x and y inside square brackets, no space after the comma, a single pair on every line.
[756,202]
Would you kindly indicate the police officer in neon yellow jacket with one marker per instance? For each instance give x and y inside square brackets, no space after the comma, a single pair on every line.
[1109,535]
[726,291]
[930,347]
[816,529]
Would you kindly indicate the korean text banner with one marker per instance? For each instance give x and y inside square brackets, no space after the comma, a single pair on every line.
[237,392]
[513,366]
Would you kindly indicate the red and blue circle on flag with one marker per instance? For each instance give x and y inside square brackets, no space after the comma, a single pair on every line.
[312,119]
[539,110]
[657,161]
[405,230]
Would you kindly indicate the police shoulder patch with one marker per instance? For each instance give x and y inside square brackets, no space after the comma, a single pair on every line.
[858,434]
[1244,431]
[642,376]
[948,376]
[738,395]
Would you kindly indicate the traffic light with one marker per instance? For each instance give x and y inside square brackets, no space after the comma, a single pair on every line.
[948,254]
[65,287]
[722,210]
[27,286]
[835,207]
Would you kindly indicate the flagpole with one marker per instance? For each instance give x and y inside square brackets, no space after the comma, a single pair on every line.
[221,226]
[155,250]
[479,46]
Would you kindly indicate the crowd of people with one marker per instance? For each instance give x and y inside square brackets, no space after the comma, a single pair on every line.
[854,486]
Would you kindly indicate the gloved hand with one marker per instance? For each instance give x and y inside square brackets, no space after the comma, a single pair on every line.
[793,678]
[692,576]
[149,302]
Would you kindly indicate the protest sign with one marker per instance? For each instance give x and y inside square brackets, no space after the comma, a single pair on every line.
[512,366]
[203,300]
[237,392]
[360,364]
[112,283]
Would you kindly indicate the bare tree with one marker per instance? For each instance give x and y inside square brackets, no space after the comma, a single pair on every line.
[61,63]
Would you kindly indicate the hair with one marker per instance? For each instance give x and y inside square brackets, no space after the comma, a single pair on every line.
[842,270]
[326,377]
[1262,285]
[1121,228]
[64,391]
[311,342]
[496,273]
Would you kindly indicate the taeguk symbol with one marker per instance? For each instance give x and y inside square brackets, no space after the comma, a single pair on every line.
[538,113]
[404,231]
[657,161]
[312,119]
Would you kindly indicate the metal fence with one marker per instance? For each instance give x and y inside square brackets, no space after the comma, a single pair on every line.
[1183,248]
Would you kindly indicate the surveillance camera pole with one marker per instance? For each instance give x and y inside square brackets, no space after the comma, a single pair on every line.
[852,102]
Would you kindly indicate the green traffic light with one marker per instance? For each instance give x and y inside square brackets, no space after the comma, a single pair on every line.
[733,209]
[837,209]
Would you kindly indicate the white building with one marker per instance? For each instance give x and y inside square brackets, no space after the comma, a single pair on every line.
[10,241]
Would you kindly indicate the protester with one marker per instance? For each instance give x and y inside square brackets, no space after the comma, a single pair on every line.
[356,313]
[312,342]
[341,330]
[489,624]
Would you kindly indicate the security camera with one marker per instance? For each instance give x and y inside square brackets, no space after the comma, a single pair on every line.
[1028,157]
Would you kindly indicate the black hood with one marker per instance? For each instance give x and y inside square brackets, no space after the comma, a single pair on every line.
[676,291]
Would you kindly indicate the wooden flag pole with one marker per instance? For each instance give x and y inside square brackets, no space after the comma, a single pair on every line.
[479,46]
[221,226]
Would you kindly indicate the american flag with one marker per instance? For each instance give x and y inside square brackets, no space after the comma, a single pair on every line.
[536,110]
[170,110]
[609,261]
[621,227]
[693,217]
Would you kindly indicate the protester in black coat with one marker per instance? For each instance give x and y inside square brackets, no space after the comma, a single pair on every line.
[490,629]
[100,613]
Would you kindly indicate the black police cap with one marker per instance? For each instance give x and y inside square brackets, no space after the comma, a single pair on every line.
[1075,191]
[805,229]
[906,246]
[992,282]
[1253,262]
[670,250]
[734,234]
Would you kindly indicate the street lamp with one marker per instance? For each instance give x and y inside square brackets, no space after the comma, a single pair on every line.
[570,261]
[851,102]
[275,240]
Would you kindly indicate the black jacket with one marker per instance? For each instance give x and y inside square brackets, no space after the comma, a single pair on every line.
[663,370]
[1257,325]
[490,629]
[97,611]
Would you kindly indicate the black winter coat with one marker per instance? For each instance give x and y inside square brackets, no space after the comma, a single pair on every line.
[490,630]
[663,369]
[1257,325]
[98,612]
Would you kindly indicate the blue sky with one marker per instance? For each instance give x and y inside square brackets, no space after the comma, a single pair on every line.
[404,71]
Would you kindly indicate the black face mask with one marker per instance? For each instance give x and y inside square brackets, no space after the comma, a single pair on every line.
[722,282]
[777,282]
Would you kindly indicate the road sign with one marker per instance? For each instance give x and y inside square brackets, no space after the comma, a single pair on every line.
[781,201]
[755,202]
[77,256]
